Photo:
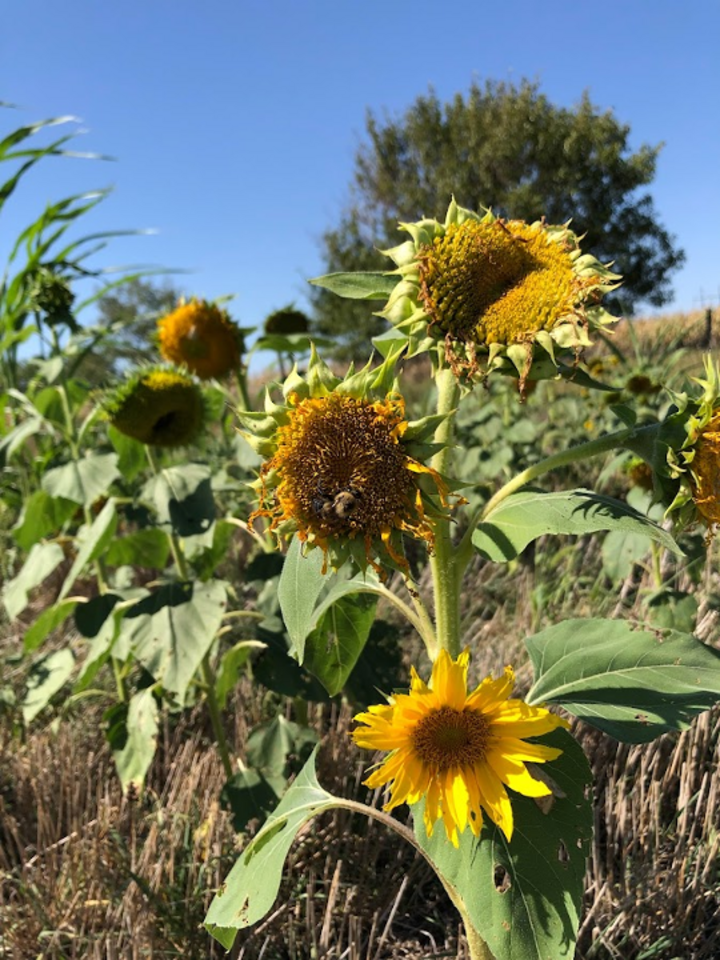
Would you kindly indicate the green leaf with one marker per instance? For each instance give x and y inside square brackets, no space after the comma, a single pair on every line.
[144,548]
[13,440]
[333,647]
[48,621]
[621,550]
[306,595]
[171,630]
[525,516]
[41,561]
[132,458]
[251,796]
[101,646]
[93,542]
[390,341]
[83,481]
[380,666]
[252,885]
[672,609]
[42,515]
[230,667]
[46,677]
[524,897]
[361,285]
[631,683]
[183,498]
[134,741]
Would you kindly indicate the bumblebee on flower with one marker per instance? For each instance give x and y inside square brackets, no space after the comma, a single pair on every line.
[344,470]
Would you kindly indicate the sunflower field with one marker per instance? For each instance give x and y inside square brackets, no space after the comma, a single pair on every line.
[418,659]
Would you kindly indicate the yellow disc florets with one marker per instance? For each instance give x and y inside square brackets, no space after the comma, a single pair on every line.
[490,291]
[158,407]
[496,282]
[201,336]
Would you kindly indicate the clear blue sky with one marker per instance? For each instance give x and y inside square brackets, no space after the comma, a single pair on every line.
[235,122]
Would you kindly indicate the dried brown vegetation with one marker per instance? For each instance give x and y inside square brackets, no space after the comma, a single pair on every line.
[88,873]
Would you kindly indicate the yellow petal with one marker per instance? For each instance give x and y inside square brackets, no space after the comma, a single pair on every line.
[490,692]
[417,685]
[456,797]
[518,719]
[449,679]
[514,773]
[494,799]
[521,750]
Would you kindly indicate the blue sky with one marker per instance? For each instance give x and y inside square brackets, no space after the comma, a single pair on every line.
[235,123]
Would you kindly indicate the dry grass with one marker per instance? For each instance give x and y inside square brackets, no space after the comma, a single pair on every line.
[88,873]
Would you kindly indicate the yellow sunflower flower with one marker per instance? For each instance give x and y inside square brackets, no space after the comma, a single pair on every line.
[158,407]
[458,749]
[343,467]
[201,336]
[489,291]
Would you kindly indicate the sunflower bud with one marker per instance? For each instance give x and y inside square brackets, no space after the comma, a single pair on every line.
[158,407]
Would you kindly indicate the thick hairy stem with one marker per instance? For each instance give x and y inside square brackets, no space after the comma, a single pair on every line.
[445,570]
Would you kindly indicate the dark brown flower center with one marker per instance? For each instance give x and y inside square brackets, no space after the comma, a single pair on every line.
[451,738]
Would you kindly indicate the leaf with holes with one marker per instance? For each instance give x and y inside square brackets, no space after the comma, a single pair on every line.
[524,897]
[633,684]
[252,885]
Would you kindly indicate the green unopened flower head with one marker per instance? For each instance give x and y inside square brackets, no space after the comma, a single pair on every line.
[344,470]
[691,436]
[496,294]
[51,295]
[158,406]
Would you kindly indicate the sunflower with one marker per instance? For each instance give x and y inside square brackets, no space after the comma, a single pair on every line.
[690,439]
[343,467]
[456,749]
[158,407]
[201,336]
[489,291]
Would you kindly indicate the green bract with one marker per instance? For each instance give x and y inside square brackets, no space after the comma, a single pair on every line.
[690,441]
[344,470]
[491,294]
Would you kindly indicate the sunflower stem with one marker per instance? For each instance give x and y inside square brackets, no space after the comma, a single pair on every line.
[443,563]
[583,451]
[241,377]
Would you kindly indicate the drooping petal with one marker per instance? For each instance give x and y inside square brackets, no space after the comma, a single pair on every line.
[521,750]
[515,775]
[494,799]
[517,719]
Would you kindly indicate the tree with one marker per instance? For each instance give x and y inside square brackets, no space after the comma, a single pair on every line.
[507,147]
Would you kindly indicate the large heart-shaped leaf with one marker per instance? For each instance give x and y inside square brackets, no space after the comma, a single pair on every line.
[634,684]
[525,516]
[82,481]
[171,630]
[524,897]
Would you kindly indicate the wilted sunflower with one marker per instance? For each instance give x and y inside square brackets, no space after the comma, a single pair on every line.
[458,750]
[159,407]
[691,438]
[490,290]
[343,467]
[201,336]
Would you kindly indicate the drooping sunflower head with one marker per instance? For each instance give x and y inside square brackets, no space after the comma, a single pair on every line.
[344,470]
[285,321]
[456,748]
[158,407]
[496,294]
[202,337]
[690,441]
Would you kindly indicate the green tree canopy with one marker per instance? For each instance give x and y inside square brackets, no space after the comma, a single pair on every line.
[510,148]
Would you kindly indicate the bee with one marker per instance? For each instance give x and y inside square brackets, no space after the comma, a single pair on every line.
[338,506]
